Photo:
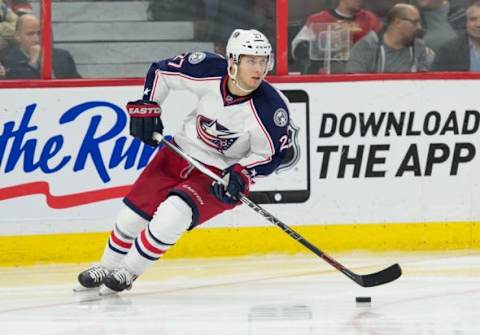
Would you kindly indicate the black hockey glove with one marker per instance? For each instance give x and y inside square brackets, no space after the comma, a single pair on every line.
[237,180]
[145,120]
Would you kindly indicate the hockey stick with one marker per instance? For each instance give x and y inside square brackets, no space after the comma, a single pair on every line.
[374,279]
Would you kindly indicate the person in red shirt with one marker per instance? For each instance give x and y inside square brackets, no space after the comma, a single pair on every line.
[349,16]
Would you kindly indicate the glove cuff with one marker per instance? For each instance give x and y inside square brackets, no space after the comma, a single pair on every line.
[241,171]
[143,108]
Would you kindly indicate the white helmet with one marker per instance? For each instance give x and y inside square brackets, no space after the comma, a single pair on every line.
[249,42]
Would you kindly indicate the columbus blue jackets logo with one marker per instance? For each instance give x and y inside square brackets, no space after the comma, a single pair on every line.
[280,117]
[196,57]
[214,134]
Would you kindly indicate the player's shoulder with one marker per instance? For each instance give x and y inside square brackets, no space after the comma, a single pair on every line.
[268,95]
[197,64]
[268,102]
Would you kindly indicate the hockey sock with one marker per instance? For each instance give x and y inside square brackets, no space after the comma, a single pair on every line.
[129,224]
[172,218]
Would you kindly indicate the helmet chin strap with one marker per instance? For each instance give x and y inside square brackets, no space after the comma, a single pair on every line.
[233,75]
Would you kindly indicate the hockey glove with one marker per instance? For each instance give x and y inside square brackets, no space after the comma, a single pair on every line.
[237,180]
[145,120]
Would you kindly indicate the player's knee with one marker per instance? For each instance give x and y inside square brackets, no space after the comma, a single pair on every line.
[172,218]
[130,223]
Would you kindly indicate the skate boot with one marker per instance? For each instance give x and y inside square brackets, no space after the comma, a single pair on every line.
[116,281]
[91,278]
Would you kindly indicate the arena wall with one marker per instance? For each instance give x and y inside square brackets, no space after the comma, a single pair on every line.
[382,165]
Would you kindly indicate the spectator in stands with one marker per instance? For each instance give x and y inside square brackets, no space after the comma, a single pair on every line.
[7,25]
[2,71]
[23,60]
[463,52]
[441,21]
[397,49]
[20,7]
[348,15]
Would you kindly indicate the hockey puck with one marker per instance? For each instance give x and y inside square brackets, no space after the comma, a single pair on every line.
[363,299]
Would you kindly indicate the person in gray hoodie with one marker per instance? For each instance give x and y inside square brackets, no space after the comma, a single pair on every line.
[396,49]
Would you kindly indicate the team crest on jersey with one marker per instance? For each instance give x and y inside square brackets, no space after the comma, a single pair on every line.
[280,117]
[196,57]
[214,134]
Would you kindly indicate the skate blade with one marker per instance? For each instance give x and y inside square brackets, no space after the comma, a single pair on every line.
[81,288]
[105,291]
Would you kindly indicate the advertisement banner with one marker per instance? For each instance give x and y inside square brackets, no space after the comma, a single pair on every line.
[395,151]
[366,152]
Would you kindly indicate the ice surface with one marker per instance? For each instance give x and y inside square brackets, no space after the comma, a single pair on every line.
[439,293]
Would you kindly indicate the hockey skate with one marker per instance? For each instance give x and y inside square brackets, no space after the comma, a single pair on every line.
[91,278]
[116,281]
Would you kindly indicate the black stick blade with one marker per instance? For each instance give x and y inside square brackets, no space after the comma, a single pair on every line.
[382,277]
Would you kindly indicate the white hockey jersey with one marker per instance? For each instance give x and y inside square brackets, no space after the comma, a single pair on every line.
[224,129]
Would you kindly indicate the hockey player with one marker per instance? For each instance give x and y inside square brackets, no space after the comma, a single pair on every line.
[238,129]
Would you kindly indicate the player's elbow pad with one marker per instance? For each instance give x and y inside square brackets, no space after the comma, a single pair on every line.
[145,119]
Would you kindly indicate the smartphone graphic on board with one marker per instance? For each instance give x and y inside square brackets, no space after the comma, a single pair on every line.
[290,182]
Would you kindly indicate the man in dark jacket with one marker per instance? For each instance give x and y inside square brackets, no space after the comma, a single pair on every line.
[462,53]
[23,60]
[442,20]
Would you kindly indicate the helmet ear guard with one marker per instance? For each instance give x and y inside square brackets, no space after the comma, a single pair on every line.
[232,69]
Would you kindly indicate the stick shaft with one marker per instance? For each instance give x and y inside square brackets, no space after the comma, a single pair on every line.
[381,277]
